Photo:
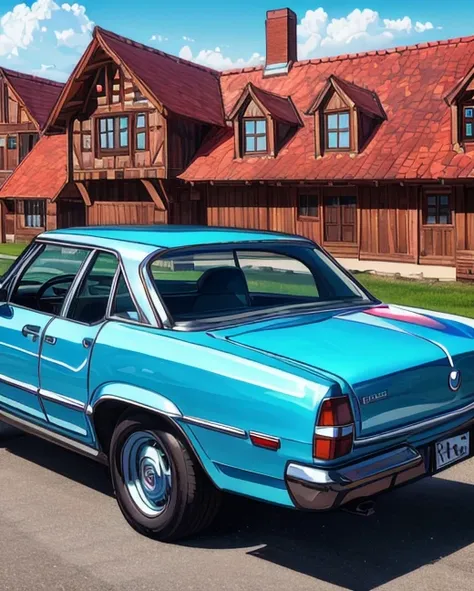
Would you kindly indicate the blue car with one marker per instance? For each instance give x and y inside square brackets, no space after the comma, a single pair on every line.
[194,361]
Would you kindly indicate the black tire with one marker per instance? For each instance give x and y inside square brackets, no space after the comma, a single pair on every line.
[193,500]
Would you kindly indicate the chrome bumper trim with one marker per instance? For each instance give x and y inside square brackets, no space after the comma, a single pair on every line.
[320,489]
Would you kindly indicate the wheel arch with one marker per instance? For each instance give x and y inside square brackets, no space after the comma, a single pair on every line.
[110,403]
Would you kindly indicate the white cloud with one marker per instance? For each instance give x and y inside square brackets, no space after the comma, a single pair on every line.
[214,58]
[422,27]
[158,38]
[188,39]
[399,24]
[360,30]
[32,34]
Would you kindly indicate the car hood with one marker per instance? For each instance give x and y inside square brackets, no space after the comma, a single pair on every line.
[397,361]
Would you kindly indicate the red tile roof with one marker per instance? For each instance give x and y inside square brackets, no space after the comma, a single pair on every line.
[413,143]
[281,107]
[38,94]
[43,173]
[181,86]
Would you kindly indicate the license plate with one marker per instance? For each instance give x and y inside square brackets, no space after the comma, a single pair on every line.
[452,450]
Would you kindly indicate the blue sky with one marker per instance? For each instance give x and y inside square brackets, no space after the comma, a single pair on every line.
[47,37]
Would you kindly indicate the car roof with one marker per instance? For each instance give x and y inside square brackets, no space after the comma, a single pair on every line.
[165,236]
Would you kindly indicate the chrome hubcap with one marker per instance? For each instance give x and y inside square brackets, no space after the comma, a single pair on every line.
[146,473]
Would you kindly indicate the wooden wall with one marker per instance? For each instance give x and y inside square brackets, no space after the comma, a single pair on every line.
[389,223]
[371,222]
[122,202]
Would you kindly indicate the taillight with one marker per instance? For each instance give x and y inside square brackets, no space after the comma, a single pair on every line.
[334,432]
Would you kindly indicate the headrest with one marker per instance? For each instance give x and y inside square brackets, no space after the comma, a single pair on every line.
[223,280]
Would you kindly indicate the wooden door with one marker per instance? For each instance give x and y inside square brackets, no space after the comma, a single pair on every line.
[71,213]
[437,236]
[340,219]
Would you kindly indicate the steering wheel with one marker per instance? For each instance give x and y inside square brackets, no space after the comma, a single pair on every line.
[50,283]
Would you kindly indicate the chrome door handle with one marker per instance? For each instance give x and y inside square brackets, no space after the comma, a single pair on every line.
[87,343]
[50,340]
[31,330]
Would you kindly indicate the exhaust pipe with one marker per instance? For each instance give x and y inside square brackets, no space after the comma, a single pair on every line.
[365,508]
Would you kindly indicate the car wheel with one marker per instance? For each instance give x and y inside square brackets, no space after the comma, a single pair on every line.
[160,487]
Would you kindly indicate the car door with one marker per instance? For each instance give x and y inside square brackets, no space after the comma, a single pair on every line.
[68,343]
[36,295]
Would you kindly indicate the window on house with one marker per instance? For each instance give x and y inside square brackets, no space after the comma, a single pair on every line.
[308,206]
[11,142]
[468,122]
[438,209]
[140,131]
[113,133]
[255,135]
[27,143]
[35,214]
[337,130]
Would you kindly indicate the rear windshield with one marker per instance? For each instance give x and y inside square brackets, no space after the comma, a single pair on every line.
[200,284]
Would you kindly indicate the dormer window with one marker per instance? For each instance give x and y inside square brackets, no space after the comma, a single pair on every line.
[263,122]
[468,123]
[346,117]
[255,136]
[338,131]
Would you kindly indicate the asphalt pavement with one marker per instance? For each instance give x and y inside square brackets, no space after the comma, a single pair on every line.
[60,529]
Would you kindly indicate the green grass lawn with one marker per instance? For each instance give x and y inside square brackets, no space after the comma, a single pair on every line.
[13,248]
[455,298]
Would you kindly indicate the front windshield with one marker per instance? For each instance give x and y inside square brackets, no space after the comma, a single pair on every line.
[199,284]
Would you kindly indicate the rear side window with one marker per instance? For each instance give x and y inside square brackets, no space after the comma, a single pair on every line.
[89,305]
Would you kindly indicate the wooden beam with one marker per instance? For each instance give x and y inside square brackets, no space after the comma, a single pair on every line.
[93,65]
[84,193]
[154,195]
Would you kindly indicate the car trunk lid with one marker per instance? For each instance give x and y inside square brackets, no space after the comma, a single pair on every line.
[397,362]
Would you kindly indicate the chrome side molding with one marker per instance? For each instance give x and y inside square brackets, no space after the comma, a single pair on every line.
[227,429]
[63,400]
[52,436]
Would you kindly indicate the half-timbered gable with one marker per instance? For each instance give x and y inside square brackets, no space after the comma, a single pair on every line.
[25,103]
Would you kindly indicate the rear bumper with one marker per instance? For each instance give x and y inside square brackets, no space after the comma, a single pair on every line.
[321,489]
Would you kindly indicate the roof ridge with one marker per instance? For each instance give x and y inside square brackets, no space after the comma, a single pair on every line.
[370,53]
[170,56]
[31,77]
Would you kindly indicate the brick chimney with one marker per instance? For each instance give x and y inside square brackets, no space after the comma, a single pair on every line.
[280,28]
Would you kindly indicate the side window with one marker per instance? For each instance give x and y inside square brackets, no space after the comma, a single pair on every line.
[272,273]
[47,279]
[89,305]
[123,305]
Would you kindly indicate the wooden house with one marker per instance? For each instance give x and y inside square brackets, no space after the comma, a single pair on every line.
[370,154]
[25,103]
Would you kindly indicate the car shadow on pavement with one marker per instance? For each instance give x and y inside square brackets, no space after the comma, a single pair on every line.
[52,457]
[412,527]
